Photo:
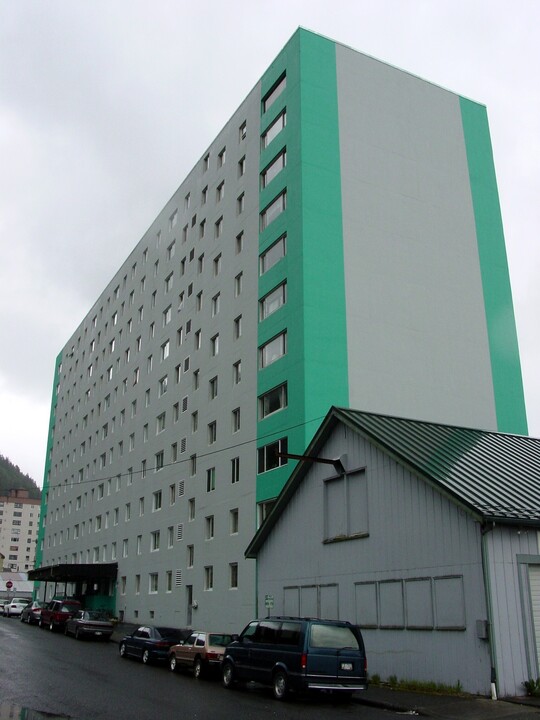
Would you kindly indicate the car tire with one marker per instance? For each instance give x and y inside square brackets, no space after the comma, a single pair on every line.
[146,657]
[66,631]
[280,685]
[51,626]
[198,669]
[173,664]
[122,650]
[78,635]
[40,623]
[228,675]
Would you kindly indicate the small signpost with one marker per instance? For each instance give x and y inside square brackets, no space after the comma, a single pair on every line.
[268,603]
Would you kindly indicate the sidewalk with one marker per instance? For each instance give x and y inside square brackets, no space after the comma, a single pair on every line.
[450,707]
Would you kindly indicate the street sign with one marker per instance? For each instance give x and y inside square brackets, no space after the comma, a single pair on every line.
[269,601]
[9,584]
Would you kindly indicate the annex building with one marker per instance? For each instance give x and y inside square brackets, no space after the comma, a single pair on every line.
[338,243]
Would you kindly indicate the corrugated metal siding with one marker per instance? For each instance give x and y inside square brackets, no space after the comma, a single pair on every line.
[510,600]
[414,532]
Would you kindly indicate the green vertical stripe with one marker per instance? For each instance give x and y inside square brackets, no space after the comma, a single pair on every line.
[315,367]
[46,473]
[325,327]
[501,327]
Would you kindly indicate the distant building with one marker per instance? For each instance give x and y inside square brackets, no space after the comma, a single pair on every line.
[338,243]
[19,523]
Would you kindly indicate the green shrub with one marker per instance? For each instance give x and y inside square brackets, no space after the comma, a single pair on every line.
[532,687]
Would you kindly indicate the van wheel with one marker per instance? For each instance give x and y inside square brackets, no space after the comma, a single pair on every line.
[228,676]
[280,685]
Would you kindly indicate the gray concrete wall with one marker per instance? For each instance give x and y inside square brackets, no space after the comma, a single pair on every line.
[73,405]
[416,326]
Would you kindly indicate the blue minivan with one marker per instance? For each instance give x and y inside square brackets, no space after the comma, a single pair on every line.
[295,653]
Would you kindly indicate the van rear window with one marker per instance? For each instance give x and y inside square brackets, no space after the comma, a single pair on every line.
[332,636]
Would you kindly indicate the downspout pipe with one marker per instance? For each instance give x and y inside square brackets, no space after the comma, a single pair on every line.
[485,529]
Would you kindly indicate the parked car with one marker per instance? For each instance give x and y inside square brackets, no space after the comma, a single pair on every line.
[32,612]
[15,607]
[293,653]
[89,623]
[200,652]
[57,613]
[150,643]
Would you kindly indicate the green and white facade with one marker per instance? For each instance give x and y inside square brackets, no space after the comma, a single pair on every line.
[339,243]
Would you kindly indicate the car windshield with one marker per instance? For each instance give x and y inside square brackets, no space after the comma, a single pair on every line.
[219,640]
[333,636]
[95,615]
[69,607]
[22,601]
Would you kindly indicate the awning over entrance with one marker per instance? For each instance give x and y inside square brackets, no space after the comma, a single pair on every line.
[75,572]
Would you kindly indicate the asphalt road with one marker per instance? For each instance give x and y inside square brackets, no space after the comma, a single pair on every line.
[87,680]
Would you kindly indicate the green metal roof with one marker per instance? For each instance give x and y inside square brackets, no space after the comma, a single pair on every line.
[495,475]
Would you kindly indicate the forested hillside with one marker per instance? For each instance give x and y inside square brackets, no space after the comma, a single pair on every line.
[11,477]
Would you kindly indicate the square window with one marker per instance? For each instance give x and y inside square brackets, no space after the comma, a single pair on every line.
[275,91]
[273,350]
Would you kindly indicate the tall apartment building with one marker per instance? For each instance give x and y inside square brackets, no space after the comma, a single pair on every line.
[338,243]
[19,524]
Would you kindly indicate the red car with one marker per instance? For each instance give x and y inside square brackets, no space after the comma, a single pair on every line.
[58,612]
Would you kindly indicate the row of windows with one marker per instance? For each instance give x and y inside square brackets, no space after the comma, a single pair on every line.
[154,580]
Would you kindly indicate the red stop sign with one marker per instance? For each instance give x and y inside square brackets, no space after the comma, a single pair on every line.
[9,584]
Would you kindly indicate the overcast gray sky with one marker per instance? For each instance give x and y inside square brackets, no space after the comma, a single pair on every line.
[105,105]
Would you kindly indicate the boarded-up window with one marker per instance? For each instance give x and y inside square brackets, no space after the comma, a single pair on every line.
[419,604]
[345,507]
[449,603]
[291,601]
[391,604]
[365,596]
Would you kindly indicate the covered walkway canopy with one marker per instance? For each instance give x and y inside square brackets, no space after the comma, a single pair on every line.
[88,572]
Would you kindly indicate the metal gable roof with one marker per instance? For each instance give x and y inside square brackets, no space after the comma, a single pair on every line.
[496,475]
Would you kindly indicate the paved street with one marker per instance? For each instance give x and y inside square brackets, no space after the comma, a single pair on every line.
[87,680]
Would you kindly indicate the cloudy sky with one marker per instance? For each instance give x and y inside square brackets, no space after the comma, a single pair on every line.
[105,105]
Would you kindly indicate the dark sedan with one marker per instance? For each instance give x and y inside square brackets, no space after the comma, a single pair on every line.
[32,612]
[151,643]
[89,623]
